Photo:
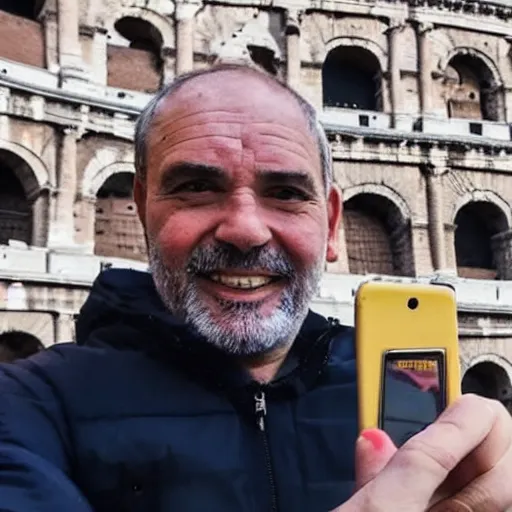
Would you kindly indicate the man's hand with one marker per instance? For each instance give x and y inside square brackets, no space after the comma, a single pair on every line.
[462,462]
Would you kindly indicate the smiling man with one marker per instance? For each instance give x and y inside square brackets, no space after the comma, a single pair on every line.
[238,209]
[207,384]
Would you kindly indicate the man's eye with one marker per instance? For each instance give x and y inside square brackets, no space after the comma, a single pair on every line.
[288,194]
[195,186]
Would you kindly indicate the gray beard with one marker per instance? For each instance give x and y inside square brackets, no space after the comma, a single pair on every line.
[240,329]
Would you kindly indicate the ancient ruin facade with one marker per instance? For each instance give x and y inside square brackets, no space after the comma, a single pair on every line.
[415,95]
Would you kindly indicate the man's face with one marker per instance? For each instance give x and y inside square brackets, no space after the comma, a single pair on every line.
[237,220]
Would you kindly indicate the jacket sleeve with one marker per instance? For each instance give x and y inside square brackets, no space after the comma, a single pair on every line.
[34,444]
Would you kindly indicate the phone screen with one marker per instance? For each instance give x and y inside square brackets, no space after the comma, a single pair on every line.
[413,394]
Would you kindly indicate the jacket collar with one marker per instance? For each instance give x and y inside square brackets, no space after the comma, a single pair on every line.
[124,312]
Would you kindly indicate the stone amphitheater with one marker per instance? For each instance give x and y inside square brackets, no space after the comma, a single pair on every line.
[415,95]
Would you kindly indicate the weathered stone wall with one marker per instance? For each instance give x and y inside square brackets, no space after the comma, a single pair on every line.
[406,169]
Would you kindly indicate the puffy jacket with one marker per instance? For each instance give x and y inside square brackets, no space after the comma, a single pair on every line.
[140,415]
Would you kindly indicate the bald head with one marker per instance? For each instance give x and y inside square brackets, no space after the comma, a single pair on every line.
[226,81]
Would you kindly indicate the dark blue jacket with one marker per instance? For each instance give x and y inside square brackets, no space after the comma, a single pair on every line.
[140,415]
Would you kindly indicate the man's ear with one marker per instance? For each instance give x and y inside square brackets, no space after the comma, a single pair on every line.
[334,211]
[139,196]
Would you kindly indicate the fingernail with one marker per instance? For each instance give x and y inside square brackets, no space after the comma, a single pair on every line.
[374,437]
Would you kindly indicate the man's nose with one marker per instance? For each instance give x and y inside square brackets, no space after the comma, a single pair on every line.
[242,224]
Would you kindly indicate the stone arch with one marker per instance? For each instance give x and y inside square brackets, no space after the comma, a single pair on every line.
[498,360]
[467,50]
[377,226]
[473,86]
[105,163]
[380,190]
[23,195]
[118,231]
[35,175]
[481,233]
[352,75]
[142,36]
[160,22]
[38,324]
[489,375]
[487,196]
[361,42]
[18,344]
[104,174]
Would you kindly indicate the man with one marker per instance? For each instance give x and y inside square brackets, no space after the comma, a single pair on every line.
[208,385]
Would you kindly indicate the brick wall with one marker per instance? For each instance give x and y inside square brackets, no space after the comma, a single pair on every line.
[118,230]
[22,40]
[130,68]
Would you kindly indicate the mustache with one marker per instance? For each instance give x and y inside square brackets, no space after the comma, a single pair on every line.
[208,259]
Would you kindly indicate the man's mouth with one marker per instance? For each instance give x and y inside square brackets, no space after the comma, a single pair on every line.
[242,282]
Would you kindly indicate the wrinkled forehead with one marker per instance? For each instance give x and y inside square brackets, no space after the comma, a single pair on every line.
[230,103]
[241,90]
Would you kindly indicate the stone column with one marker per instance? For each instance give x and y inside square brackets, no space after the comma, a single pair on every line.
[502,250]
[88,213]
[40,218]
[98,54]
[64,328]
[51,39]
[435,207]
[293,60]
[70,54]
[395,85]
[168,56]
[184,17]
[62,232]
[426,88]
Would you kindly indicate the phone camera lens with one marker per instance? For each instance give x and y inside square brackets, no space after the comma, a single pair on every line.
[412,303]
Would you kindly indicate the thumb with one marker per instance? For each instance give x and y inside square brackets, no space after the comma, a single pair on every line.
[374,449]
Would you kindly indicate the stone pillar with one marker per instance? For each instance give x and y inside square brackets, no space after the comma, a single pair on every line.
[395,85]
[70,54]
[425,85]
[293,60]
[502,251]
[62,232]
[40,218]
[184,17]
[64,328]
[168,56]
[97,48]
[88,221]
[51,40]
[434,182]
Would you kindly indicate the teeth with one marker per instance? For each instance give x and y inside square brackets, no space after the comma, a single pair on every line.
[245,282]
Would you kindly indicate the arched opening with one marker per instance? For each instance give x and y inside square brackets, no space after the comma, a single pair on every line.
[134,55]
[18,345]
[351,78]
[476,225]
[471,89]
[378,237]
[15,207]
[489,380]
[118,231]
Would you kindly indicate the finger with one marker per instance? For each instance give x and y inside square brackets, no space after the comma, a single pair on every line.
[418,468]
[492,449]
[490,492]
[374,449]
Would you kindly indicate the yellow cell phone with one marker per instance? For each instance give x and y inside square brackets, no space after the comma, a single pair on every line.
[407,355]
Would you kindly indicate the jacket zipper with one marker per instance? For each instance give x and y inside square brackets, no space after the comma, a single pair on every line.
[261,413]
